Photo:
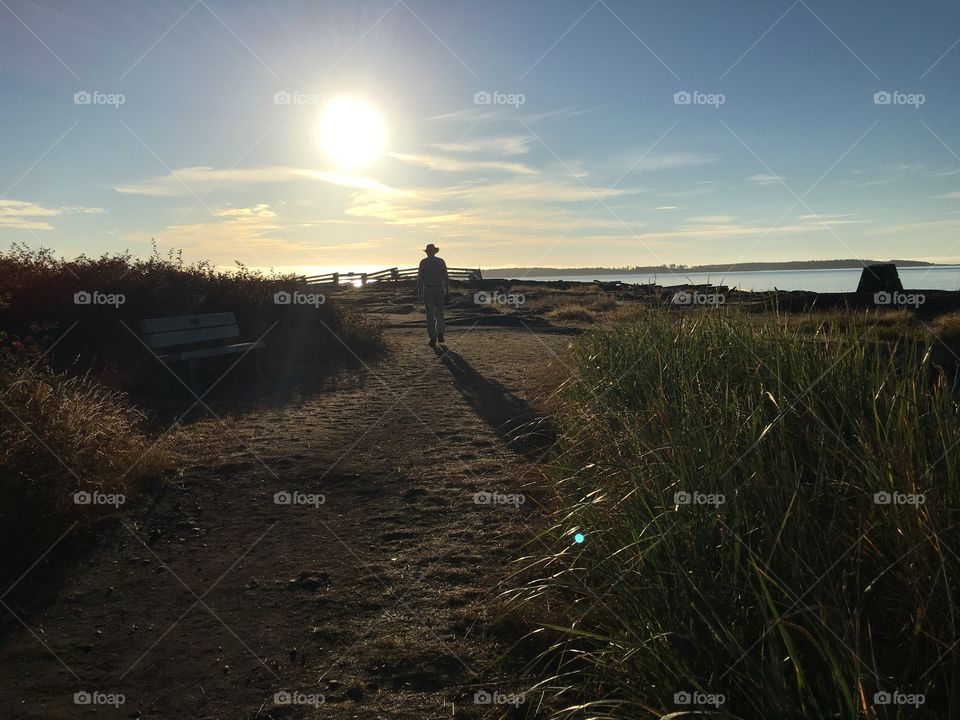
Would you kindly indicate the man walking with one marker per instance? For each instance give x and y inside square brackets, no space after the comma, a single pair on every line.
[433,285]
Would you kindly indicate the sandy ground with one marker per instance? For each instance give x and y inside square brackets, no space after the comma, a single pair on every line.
[377,603]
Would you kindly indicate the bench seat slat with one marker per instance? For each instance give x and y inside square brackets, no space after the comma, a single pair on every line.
[211,352]
[191,336]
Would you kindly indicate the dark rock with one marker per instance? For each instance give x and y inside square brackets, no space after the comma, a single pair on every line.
[880,278]
[310,581]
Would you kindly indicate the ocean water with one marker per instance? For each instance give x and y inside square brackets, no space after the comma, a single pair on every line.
[944,277]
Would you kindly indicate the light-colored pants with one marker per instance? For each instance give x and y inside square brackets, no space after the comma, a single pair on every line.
[433,298]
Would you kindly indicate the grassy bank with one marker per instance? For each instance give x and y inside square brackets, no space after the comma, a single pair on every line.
[67,424]
[769,519]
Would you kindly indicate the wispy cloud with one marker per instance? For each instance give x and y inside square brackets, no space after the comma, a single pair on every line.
[504,145]
[486,114]
[257,211]
[445,163]
[25,215]
[764,180]
[254,234]
[711,218]
[834,219]
[196,180]
[666,161]
[945,229]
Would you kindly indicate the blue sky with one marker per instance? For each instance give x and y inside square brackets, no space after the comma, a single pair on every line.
[784,152]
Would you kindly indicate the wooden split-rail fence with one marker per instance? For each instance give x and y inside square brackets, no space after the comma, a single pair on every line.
[388,275]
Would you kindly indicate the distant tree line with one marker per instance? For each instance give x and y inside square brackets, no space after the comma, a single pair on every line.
[717,267]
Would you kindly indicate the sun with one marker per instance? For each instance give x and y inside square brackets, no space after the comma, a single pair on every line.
[351,131]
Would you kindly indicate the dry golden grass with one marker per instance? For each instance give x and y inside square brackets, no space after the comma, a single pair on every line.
[572,312]
[947,326]
[60,435]
[575,305]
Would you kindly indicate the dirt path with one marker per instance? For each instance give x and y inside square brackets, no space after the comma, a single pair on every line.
[215,598]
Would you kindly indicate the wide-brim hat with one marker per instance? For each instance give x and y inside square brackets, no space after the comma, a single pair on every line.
[431,248]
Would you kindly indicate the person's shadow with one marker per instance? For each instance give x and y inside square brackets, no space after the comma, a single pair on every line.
[510,416]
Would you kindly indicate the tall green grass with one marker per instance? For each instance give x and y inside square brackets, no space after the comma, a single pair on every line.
[797,597]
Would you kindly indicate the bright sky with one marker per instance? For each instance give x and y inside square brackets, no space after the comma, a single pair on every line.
[537,133]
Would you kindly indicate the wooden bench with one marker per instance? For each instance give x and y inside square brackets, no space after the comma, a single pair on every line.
[189,338]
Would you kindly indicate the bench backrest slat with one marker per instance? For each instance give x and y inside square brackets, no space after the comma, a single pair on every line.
[186,322]
[189,329]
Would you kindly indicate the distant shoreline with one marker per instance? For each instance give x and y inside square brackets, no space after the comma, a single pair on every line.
[676,269]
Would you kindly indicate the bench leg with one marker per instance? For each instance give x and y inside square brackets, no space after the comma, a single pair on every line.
[258,360]
[192,380]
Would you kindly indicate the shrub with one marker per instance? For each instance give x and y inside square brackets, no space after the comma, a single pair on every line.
[38,300]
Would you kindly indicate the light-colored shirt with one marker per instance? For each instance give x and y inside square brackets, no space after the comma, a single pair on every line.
[432,273]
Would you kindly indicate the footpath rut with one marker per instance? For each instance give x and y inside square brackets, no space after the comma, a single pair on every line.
[214,598]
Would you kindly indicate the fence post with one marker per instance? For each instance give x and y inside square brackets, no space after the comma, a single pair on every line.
[363,279]
[336,278]
[394,274]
